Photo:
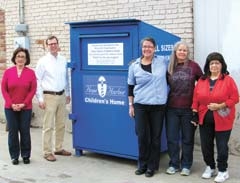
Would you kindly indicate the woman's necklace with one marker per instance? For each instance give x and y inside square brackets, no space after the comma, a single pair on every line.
[19,72]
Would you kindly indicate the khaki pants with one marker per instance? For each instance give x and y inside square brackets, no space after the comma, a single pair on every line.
[53,123]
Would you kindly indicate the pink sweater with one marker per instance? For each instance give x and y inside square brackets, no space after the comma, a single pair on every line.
[16,90]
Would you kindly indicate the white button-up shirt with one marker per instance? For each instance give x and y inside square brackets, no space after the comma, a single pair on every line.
[52,75]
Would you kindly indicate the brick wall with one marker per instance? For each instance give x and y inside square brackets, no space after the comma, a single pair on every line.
[2,56]
[2,43]
[49,17]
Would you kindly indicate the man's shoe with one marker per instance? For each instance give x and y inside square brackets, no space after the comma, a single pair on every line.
[140,171]
[50,157]
[171,170]
[221,177]
[63,153]
[208,173]
[26,160]
[15,161]
[185,172]
[149,173]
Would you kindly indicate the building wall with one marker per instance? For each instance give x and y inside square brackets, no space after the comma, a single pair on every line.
[2,55]
[50,17]
[2,42]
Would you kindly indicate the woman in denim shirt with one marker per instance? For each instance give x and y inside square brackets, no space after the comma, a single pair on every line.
[147,98]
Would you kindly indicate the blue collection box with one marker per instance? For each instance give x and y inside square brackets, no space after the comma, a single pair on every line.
[100,55]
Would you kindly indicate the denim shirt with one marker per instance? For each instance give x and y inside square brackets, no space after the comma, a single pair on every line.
[149,88]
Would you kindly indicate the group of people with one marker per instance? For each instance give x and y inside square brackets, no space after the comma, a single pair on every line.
[49,82]
[175,91]
[179,93]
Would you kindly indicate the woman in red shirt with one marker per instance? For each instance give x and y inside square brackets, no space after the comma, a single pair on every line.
[215,96]
[18,88]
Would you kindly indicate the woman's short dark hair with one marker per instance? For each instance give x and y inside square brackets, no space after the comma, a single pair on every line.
[20,49]
[149,39]
[214,56]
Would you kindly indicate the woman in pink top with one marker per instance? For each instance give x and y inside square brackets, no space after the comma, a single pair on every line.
[18,88]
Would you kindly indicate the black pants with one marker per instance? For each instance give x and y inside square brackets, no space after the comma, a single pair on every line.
[149,123]
[207,135]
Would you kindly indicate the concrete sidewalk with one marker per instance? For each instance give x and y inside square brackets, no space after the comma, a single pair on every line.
[92,167]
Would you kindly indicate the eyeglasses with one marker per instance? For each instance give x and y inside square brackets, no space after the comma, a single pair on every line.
[214,63]
[52,44]
[149,47]
[20,56]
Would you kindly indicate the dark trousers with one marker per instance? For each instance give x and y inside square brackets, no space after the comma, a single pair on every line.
[180,137]
[19,124]
[207,135]
[149,123]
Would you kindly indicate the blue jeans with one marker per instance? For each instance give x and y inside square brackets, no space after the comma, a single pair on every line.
[180,135]
[149,123]
[19,124]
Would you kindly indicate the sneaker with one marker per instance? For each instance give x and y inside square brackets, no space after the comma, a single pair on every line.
[171,170]
[208,173]
[221,177]
[185,172]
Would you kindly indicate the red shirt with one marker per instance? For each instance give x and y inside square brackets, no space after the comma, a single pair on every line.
[16,90]
[224,90]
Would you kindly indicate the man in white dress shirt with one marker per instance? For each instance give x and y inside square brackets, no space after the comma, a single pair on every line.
[53,95]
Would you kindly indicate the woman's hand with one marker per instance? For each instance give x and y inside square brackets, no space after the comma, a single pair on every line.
[18,107]
[216,106]
[14,107]
[131,111]
[195,118]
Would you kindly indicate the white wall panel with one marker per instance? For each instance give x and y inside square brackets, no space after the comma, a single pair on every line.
[217,28]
